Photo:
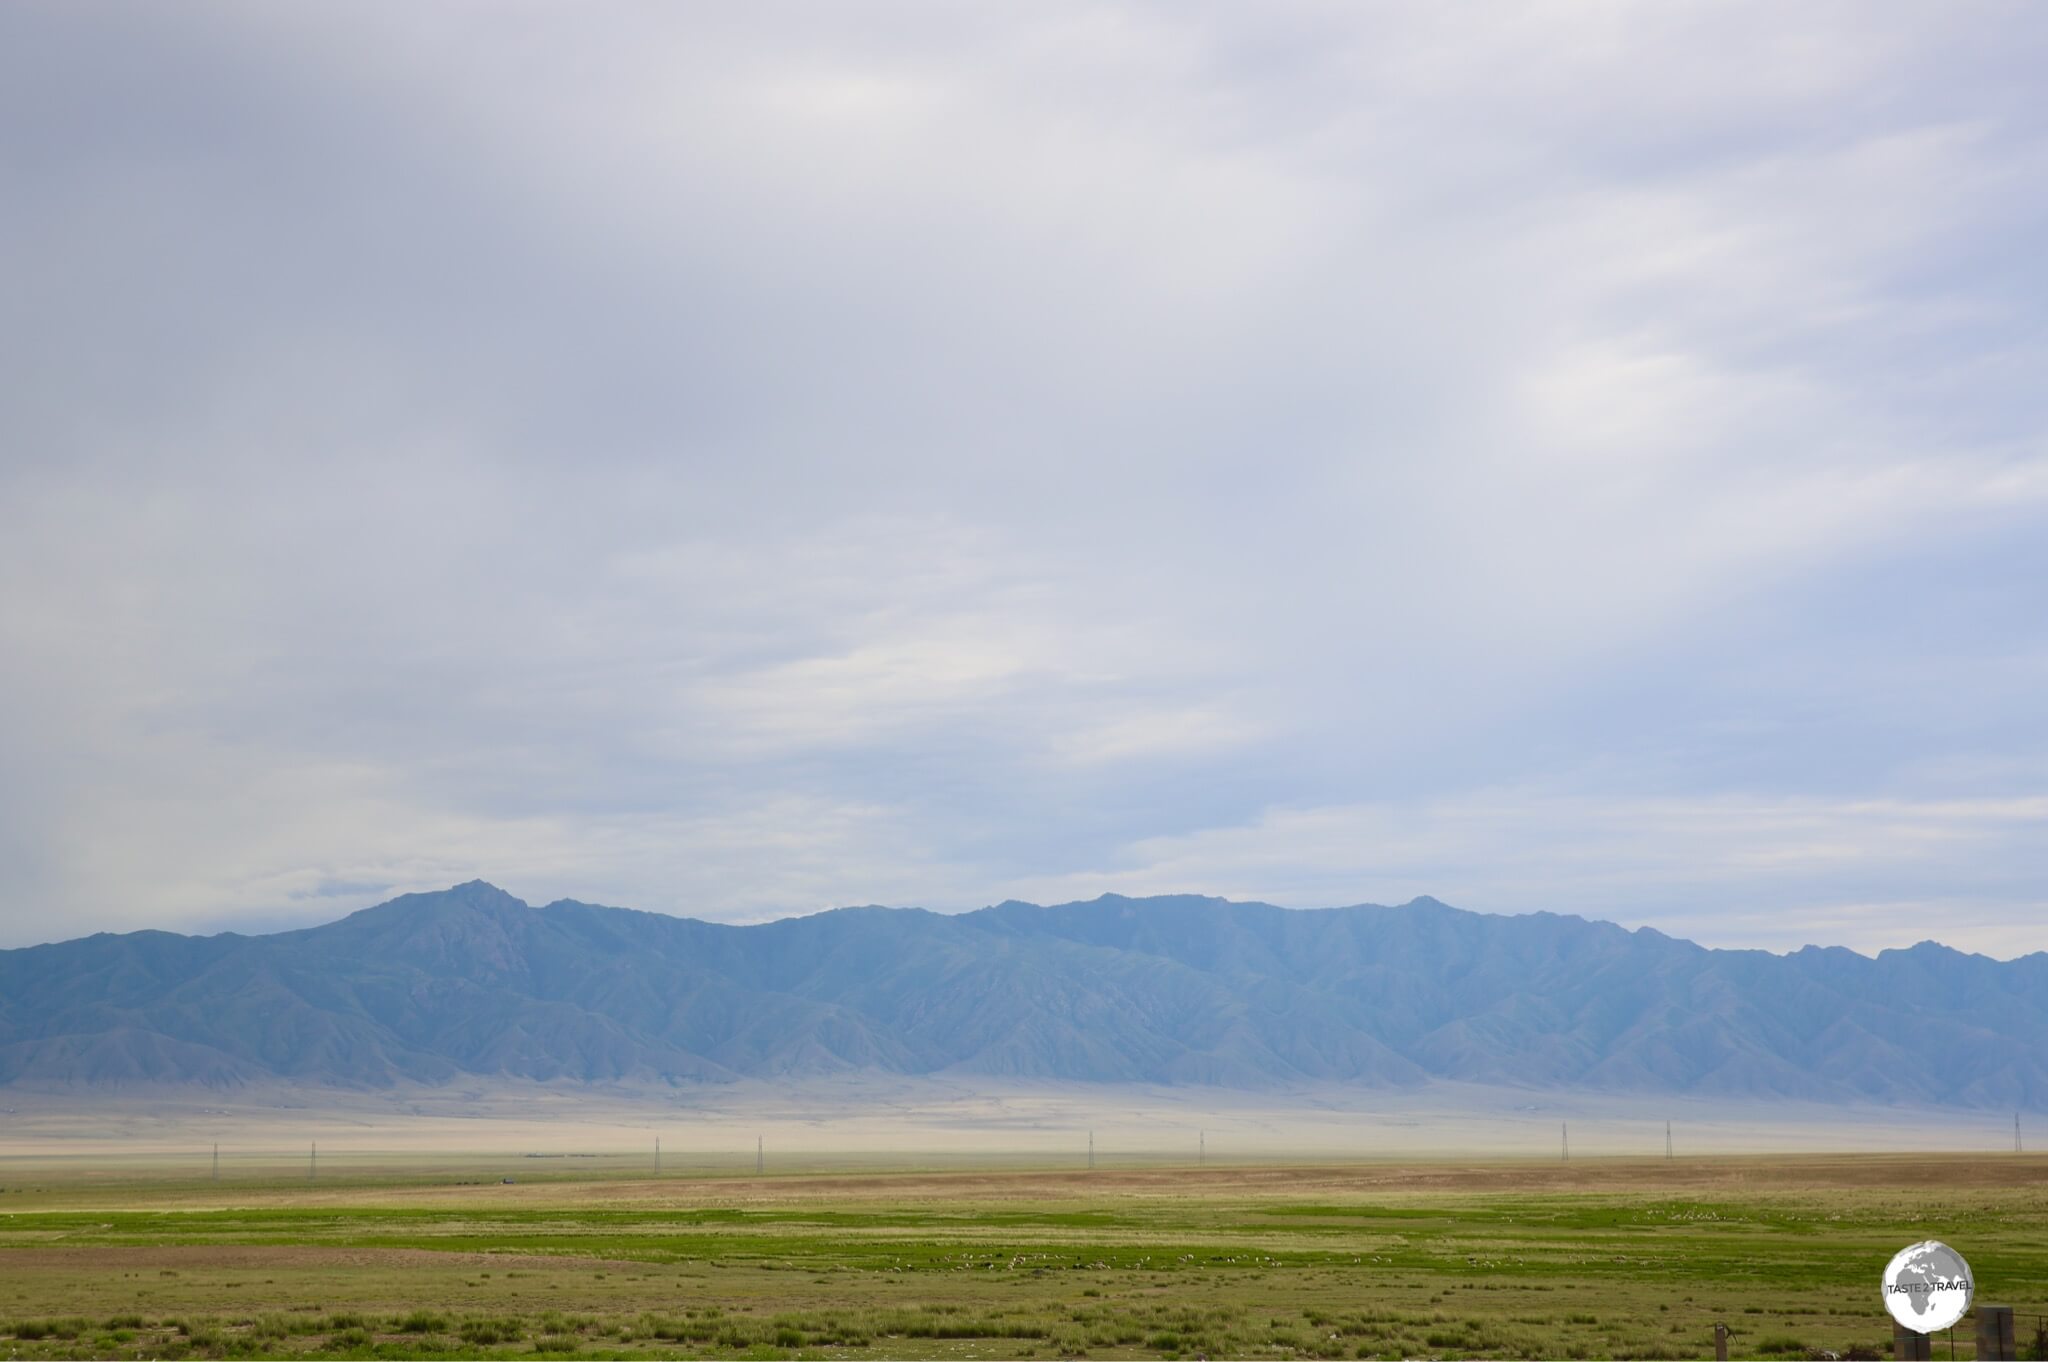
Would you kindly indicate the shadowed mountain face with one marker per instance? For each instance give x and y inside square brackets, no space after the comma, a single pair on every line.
[471,981]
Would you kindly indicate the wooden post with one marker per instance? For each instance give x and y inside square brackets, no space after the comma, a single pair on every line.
[1720,1343]
[1910,1345]
[1995,1336]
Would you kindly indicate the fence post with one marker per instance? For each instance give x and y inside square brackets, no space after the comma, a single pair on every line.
[1720,1343]
[1995,1336]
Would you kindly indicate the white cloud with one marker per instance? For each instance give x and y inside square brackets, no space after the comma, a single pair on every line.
[1017,448]
[1727,870]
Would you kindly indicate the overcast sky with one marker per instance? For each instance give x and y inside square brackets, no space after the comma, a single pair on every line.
[741,460]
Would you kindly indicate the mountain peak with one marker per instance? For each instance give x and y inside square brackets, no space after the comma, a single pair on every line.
[471,895]
[480,889]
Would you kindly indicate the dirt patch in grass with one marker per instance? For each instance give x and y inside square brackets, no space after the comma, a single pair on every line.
[1805,1173]
[196,1258]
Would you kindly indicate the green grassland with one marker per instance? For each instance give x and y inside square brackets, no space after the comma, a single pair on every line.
[1603,1258]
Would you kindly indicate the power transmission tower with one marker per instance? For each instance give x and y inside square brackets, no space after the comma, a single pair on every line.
[1564,1136]
[657,1156]
[2015,1132]
[1202,1147]
[313,1161]
[1091,1151]
[216,1163]
[1667,1139]
[759,1162]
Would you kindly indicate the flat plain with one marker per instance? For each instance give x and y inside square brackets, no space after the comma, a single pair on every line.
[590,1256]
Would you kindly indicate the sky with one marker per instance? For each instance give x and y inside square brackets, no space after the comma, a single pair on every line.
[741,460]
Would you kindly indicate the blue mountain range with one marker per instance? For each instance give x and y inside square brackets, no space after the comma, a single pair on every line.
[471,981]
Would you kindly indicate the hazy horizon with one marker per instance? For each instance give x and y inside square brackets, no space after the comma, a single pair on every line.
[875,1120]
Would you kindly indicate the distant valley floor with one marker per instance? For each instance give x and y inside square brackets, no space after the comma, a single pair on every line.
[887,1120]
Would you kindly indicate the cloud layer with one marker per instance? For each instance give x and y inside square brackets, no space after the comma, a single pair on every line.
[735,463]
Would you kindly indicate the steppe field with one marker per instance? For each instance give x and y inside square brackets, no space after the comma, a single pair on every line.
[109,1250]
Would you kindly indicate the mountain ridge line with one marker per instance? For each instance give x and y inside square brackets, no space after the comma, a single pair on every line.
[1184,989]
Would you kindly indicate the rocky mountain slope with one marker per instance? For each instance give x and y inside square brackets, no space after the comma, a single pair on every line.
[471,981]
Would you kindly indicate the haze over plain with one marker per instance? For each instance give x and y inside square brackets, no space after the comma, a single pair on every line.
[1566,458]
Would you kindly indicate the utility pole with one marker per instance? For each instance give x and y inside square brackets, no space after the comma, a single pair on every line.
[1564,1136]
[657,1156]
[313,1162]
[1202,1147]
[1091,1151]
[1667,1139]
[759,1162]
[2015,1132]
[216,1163]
